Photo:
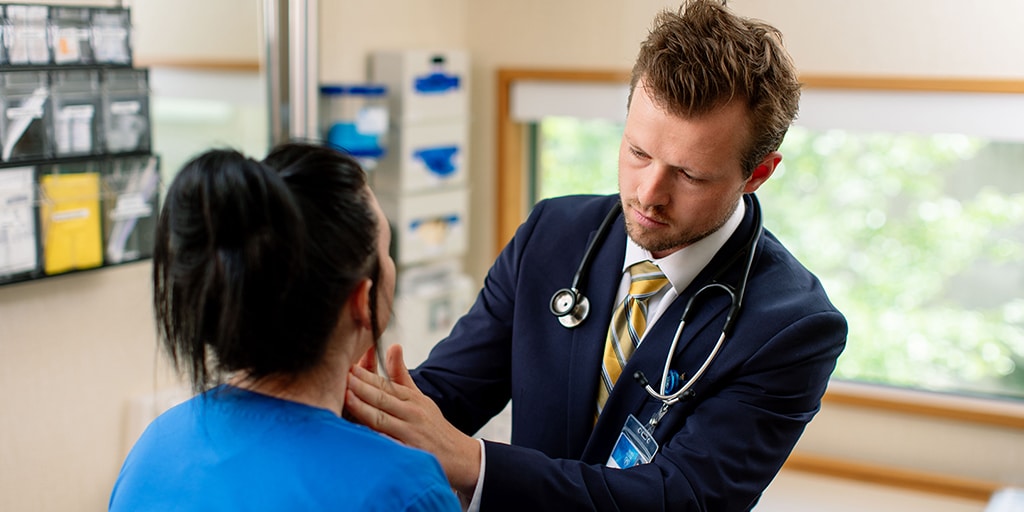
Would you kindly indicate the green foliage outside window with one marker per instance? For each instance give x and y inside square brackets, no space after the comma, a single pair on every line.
[578,157]
[916,247]
[918,239]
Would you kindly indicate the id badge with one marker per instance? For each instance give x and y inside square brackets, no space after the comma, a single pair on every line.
[635,446]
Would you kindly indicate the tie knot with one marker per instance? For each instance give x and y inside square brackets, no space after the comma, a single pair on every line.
[646,279]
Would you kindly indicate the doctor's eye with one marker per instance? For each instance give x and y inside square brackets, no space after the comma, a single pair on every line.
[637,153]
[688,176]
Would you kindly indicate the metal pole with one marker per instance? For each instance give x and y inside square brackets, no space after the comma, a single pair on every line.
[303,68]
[275,33]
[292,71]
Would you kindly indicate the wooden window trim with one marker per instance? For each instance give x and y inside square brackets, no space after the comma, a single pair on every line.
[990,412]
[876,474]
[511,147]
[240,65]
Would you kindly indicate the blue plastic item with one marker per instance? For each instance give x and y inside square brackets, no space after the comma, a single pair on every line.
[436,83]
[354,118]
[448,220]
[438,159]
[345,136]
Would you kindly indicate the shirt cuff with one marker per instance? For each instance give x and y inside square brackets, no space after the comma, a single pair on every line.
[474,503]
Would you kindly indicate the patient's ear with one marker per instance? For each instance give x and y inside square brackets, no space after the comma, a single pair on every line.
[359,304]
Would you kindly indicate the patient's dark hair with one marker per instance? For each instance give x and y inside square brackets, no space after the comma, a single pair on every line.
[253,261]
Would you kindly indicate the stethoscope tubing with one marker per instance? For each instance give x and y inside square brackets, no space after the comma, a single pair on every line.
[736,294]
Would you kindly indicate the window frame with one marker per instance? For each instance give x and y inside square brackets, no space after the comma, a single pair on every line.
[513,194]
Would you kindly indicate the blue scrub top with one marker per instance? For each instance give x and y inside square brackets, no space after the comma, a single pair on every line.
[231,449]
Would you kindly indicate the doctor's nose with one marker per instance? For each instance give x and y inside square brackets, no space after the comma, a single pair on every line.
[653,188]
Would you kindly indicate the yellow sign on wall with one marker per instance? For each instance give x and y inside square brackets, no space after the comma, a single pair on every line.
[70,214]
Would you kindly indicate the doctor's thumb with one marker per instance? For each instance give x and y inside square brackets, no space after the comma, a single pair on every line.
[394,363]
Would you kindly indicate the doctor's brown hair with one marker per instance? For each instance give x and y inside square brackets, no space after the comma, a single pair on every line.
[704,56]
[253,261]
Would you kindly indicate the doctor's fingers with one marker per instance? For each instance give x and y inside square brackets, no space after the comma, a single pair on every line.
[367,415]
[371,405]
[401,402]
[378,390]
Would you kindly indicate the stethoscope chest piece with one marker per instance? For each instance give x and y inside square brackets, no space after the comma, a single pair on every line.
[570,307]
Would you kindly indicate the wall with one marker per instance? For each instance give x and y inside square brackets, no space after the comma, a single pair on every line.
[74,350]
[196,30]
[351,29]
[909,37]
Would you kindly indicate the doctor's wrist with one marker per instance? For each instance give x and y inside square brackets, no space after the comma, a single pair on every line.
[463,468]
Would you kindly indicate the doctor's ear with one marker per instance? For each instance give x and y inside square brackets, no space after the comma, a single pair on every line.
[763,171]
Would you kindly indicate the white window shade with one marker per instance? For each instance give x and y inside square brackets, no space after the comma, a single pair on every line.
[991,115]
[533,100]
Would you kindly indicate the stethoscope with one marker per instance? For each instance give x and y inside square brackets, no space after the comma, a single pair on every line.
[572,308]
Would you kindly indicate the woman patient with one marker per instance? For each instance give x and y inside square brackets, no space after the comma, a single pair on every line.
[271,279]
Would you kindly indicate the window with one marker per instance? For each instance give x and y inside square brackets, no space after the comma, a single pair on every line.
[575,156]
[913,219]
[196,109]
[919,240]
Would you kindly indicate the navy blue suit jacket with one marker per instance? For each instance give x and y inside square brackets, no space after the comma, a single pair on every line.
[718,450]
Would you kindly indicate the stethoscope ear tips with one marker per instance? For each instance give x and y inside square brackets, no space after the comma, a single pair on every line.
[570,307]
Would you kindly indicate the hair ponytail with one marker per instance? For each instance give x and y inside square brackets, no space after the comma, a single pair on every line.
[254,261]
[228,248]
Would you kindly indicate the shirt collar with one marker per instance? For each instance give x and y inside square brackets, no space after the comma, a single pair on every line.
[682,266]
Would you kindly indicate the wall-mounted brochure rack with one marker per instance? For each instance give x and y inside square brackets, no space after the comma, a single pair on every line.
[62,113]
[79,186]
[76,215]
[45,35]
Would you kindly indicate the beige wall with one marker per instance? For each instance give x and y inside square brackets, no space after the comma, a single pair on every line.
[197,30]
[74,350]
[351,29]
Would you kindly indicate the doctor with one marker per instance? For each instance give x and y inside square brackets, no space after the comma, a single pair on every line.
[711,97]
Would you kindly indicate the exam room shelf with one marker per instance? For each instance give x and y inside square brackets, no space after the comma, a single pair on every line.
[71,159]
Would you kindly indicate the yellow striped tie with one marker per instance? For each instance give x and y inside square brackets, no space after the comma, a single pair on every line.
[629,321]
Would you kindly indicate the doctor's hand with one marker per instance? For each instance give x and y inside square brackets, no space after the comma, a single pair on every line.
[398,409]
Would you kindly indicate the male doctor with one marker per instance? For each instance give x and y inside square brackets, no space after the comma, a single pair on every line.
[711,96]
